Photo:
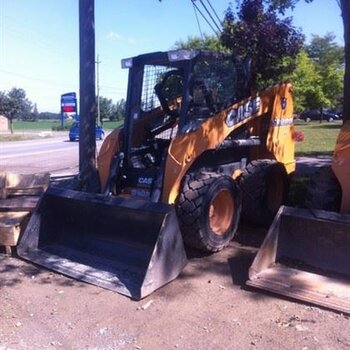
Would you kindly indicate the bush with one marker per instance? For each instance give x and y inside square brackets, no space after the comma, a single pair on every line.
[60,128]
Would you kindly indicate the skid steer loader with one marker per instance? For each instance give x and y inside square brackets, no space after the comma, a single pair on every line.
[306,253]
[192,145]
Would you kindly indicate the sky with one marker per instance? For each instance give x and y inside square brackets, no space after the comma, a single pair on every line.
[39,40]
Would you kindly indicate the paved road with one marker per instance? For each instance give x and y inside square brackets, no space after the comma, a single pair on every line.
[56,155]
[59,156]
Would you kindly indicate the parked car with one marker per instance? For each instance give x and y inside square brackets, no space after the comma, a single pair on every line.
[315,114]
[74,132]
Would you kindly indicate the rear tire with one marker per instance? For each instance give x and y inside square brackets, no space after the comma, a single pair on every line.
[264,185]
[324,191]
[209,208]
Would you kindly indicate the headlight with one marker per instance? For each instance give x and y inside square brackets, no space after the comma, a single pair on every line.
[180,55]
[126,63]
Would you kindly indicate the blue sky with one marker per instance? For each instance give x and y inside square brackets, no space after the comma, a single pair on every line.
[39,39]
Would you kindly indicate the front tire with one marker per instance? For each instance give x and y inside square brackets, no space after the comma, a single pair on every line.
[209,208]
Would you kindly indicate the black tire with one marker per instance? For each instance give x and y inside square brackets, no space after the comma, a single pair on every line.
[324,191]
[264,185]
[209,208]
[71,139]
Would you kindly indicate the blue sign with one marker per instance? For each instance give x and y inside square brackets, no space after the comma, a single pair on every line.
[68,105]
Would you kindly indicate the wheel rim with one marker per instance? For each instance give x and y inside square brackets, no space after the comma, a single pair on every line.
[221,212]
[275,193]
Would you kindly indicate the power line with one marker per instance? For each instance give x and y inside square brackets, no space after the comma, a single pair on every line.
[215,13]
[205,17]
[35,79]
[210,15]
[199,26]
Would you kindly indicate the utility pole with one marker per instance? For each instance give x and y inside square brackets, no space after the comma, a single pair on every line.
[87,139]
[99,121]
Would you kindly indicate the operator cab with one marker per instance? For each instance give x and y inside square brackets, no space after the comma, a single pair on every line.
[170,93]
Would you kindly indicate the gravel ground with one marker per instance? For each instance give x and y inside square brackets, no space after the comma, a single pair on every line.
[207,307]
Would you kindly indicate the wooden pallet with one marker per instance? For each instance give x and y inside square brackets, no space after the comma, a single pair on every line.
[19,195]
[11,226]
[13,185]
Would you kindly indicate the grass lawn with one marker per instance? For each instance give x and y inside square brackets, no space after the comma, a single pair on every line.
[44,125]
[22,129]
[319,138]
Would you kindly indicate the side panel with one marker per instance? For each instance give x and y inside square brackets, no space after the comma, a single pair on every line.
[186,148]
[281,142]
[109,148]
[341,165]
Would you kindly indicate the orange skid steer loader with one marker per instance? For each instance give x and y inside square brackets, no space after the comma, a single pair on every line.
[170,174]
[306,253]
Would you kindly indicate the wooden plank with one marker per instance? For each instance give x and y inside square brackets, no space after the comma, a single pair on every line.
[12,184]
[19,203]
[11,224]
[9,235]
[13,217]
[33,191]
[27,180]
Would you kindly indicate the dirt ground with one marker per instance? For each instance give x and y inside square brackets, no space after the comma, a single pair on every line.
[207,307]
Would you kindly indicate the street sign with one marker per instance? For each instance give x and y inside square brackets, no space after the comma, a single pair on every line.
[68,105]
[69,102]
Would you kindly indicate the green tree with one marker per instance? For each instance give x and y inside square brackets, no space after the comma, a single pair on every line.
[33,116]
[49,115]
[118,110]
[106,108]
[307,87]
[15,105]
[328,58]
[257,32]
[282,5]
[3,102]
[325,51]
[207,42]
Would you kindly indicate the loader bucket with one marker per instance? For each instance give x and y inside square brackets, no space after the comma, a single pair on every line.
[129,246]
[306,256]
